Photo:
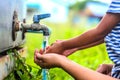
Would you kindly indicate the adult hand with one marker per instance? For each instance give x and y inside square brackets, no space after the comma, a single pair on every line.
[105,69]
[48,60]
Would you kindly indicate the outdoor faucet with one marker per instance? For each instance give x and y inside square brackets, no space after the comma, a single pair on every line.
[35,27]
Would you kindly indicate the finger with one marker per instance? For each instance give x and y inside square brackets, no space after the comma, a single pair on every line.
[103,69]
[48,50]
[47,47]
[39,56]
[38,62]
[35,60]
[41,51]
[100,69]
[36,51]
[35,55]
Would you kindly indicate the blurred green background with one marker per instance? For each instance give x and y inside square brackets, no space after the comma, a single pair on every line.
[78,17]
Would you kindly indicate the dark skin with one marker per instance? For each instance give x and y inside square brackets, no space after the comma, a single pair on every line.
[88,39]
[75,70]
[105,69]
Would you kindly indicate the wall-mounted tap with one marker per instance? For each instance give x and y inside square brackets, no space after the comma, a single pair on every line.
[35,27]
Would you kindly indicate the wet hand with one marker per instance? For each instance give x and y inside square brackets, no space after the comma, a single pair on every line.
[48,60]
[57,47]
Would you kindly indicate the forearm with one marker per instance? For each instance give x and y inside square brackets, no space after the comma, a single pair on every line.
[81,73]
[91,45]
[86,40]
[83,47]
[108,22]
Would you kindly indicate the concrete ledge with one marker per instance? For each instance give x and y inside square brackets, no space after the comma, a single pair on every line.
[7,63]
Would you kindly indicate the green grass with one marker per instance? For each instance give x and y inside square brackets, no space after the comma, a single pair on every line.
[90,57]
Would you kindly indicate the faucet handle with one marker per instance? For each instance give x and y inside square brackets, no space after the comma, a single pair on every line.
[37,18]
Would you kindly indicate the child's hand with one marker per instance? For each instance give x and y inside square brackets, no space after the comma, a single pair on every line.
[58,48]
[69,51]
[48,60]
[41,51]
[105,69]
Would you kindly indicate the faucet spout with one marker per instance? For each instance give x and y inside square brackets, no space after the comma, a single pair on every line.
[35,27]
[46,31]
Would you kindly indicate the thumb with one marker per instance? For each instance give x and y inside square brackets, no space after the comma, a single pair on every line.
[41,51]
[47,47]
[39,56]
[58,40]
[101,69]
[36,51]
